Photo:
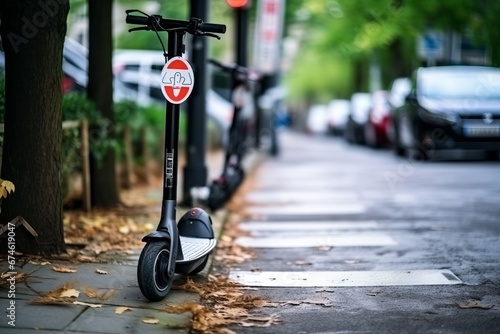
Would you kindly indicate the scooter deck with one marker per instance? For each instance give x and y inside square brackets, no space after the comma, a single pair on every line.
[195,248]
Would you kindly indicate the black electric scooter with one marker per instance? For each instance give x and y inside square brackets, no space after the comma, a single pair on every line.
[182,247]
[222,188]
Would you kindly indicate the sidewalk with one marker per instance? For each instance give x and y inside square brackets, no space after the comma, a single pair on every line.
[96,297]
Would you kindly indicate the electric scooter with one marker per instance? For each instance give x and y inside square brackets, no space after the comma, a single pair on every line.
[221,188]
[182,247]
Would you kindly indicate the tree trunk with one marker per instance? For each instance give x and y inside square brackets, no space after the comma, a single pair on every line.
[360,75]
[104,183]
[33,37]
[398,59]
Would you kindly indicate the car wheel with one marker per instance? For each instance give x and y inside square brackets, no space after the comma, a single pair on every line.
[348,132]
[396,145]
[370,136]
[492,155]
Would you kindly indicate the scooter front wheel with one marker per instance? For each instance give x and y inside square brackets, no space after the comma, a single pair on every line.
[152,272]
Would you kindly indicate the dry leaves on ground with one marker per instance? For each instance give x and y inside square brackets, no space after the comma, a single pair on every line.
[228,252]
[223,304]
[122,309]
[63,269]
[57,296]
[151,321]
[67,293]
[101,295]
[104,231]
[475,304]
[18,277]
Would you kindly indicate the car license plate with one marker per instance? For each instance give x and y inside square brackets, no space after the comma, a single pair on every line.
[483,131]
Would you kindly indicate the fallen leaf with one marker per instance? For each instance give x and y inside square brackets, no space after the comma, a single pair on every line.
[92,293]
[87,304]
[150,321]
[8,186]
[19,277]
[122,309]
[70,293]
[62,269]
[124,229]
[101,272]
[39,263]
[55,296]
[373,293]
[475,304]
[85,258]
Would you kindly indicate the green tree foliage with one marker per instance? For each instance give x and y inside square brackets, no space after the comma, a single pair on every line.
[353,30]
[175,9]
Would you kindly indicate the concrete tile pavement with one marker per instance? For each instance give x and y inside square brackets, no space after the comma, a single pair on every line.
[103,289]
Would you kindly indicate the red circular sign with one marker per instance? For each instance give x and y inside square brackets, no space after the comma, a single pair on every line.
[177,80]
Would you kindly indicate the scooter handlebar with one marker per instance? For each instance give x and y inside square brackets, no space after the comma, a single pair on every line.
[165,24]
[212,27]
[134,19]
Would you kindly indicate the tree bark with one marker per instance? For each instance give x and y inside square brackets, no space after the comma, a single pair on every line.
[33,34]
[104,183]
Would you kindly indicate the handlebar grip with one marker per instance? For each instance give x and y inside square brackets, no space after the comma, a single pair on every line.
[134,19]
[212,27]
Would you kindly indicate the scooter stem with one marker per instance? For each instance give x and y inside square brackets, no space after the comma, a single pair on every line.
[170,167]
[168,224]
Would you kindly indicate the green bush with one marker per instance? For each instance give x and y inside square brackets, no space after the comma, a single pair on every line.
[76,106]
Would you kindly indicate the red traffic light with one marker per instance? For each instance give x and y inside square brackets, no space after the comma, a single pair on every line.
[237,3]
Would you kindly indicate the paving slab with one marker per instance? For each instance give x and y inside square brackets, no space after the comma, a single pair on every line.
[97,320]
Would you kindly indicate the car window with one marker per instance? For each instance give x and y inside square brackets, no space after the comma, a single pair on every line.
[132,67]
[461,85]
[157,68]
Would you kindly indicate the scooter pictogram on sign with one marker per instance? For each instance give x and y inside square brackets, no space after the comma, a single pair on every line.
[177,80]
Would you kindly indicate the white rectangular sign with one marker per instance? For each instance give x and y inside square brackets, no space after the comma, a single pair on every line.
[269,35]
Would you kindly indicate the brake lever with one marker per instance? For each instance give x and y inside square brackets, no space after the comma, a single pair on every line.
[139,28]
[208,34]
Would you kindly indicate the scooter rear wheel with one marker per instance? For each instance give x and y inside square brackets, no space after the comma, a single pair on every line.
[152,273]
[200,267]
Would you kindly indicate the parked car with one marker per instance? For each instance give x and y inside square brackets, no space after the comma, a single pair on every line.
[450,107]
[140,70]
[338,112]
[75,67]
[400,88]
[317,120]
[358,116]
[379,121]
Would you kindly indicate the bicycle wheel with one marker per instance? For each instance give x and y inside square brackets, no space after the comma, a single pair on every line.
[152,274]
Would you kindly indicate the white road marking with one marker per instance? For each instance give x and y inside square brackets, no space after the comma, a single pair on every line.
[344,278]
[306,226]
[323,240]
[309,209]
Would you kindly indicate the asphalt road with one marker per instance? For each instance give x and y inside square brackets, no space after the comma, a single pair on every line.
[348,239]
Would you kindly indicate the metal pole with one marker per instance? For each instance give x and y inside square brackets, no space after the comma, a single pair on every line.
[241,36]
[195,170]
